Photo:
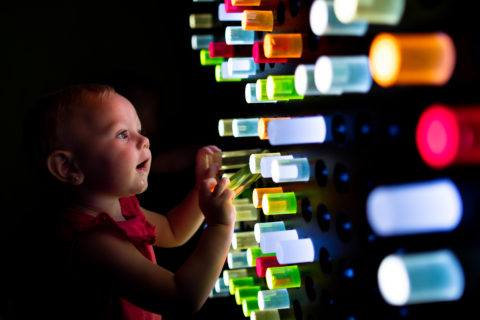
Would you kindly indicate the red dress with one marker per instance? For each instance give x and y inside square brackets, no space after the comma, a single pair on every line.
[138,231]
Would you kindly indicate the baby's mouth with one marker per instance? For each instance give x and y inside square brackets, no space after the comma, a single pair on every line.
[142,166]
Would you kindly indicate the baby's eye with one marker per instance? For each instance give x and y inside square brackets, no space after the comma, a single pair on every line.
[123,135]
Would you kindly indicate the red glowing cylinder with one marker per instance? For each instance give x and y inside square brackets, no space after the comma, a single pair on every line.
[447,136]
[221,49]
[259,55]
[263,263]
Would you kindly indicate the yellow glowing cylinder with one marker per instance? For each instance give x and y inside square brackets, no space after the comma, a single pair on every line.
[412,59]
[257,194]
[257,20]
[201,21]
[283,45]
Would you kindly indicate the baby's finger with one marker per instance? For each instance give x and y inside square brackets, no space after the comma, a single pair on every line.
[221,186]
[206,187]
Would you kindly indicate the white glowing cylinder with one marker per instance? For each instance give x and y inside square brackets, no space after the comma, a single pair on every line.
[266,164]
[421,278]
[269,240]
[323,21]
[226,74]
[255,158]
[273,299]
[265,227]
[241,67]
[295,251]
[290,170]
[297,130]
[305,80]
[431,206]
[223,15]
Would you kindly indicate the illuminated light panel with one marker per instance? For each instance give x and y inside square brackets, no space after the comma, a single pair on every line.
[225,127]
[432,206]
[235,283]
[269,240]
[248,305]
[223,15]
[241,67]
[220,286]
[259,55]
[243,240]
[266,165]
[295,251]
[265,315]
[247,127]
[254,160]
[273,299]
[342,74]
[305,80]
[206,60]
[282,88]
[246,292]
[257,20]
[201,21]
[235,273]
[238,36]
[255,252]
[421,278]
[279,203]
[257,194]
[221,49]
[394,59]
[201,41]
[219,74]
[300,130]
[283,277]
[245,212]
[265,227]
[261,91]
[290,170]
[323,21]
[263,127]
[263,263]
[373,11]
[283,45]
[236,260]
[447,136]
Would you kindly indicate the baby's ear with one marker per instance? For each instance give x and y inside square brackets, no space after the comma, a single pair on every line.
[62,166]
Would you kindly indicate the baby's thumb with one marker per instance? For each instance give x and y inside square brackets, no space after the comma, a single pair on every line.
[207,186]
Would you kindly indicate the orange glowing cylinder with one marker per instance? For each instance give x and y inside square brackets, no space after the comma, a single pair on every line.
[412,59]
[283,45]
[263,126]
[257,194]
[257,20]
[244,3]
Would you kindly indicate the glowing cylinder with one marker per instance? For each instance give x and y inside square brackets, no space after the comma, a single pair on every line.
[265,227]
[261,90]
[201,21]
[245,212]
[283,277]
[206,60]
[298,130]
[282,88]
[257,194]
[295,251]
[305,80]
[227,72]
[290,170]
[248,305]
[221,49]
[255,252]
[225,127]
[201,41]
[447,136]
[259,55]
[243,240]
[236,260]
[235,273]
[220,71]
[235,283]
[283,45]
[263,127]
[412,59]
[263,263]
[431,206]
[242,3]
[246,292]
[338,75]
[220,286]
[323,21]
[373,11]
[265,315]
[223,15]
[257,20]
[241,67]
[279,203]
[251,93]
[421,278]
[254,160]
[269,240]
[236,35]
[245,127]
[266,164]
[273,299]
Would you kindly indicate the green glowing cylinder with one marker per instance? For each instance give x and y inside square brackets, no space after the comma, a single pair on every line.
[235,283]
[246,292]
[282,88]
[283,277]
[249,305]
[206,60]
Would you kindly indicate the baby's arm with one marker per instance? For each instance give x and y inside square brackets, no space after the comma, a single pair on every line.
[179,225]
[152,287]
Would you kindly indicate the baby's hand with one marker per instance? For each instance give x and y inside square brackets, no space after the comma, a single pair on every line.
[207,164]
[217,205]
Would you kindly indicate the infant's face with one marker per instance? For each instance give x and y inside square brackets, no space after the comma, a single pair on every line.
[112,153]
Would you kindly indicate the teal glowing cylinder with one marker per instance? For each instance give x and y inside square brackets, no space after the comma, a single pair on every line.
[422,207]
[323,21]
[238,36]
[300,130]
[421,278]
[273,299]
[266,164]
[220,286]
[235,273]
[223,15]
[305,80]
[251,93]
[201,41]
[290,170]
[343,74]
[269,240]
[237,260]
[264,227]
[241,67]
[295,251]
[247,127]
